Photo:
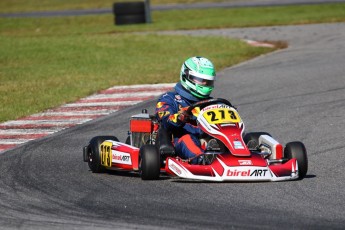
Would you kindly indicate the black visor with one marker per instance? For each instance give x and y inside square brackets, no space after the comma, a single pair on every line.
[200,81]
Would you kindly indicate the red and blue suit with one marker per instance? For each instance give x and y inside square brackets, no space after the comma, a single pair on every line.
[186,135]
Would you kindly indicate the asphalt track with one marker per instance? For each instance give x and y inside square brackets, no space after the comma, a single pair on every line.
[295,94]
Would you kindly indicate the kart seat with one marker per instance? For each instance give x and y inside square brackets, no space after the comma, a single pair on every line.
[164,142]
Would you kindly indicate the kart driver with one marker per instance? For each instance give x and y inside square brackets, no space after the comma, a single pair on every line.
[197,78]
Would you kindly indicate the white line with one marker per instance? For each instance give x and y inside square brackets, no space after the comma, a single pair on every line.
[59,120]
[88,104]
[73,113]
[40,122]
[123,95]
[14,141]
[26,131]
[165,85]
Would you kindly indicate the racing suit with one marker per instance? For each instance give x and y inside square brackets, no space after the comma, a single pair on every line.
[186,135]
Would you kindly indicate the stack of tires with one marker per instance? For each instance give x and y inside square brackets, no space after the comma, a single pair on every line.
[129,13]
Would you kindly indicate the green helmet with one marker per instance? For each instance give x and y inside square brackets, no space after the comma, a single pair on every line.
[198,76]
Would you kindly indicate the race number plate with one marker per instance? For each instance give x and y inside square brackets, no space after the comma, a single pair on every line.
[221,116]
[106,154]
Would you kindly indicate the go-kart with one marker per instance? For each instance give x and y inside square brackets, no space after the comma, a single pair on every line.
[233,155]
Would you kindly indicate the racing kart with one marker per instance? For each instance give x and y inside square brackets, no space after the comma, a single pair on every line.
[233,155]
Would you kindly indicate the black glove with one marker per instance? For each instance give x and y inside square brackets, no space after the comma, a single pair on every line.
[183,117]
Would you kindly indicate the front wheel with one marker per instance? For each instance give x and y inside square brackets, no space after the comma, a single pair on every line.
[149,162]
[94,153]
[297,150]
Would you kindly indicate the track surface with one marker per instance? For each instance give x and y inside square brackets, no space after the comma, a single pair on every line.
[295,94]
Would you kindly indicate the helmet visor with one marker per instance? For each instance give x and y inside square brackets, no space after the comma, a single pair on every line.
[200,81]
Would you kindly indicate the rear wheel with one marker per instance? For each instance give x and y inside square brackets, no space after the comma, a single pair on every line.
[94,153]
[149,162]
[297,150]
[252,139]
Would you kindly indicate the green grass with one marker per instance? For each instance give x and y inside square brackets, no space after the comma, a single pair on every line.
[43,72]
[250,17]
[45,62]
[11,6]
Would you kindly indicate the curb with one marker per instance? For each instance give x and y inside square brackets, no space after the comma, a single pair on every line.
[258,43]
[17,132]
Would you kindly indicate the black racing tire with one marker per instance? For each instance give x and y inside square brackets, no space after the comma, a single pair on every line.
[128,8]
[252,139]
[94,154]
[130,19]
[297,150]
[149,162]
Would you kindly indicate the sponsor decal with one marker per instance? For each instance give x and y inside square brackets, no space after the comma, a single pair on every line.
[175,169]
[163,114]
[218,106]
[246,173]
[245,162]
[238,172]
[222,106]
[121,158]
[178,97]
[173,118]
[259,172]
[238,145]
[160,105]
[182,108]
[162,109]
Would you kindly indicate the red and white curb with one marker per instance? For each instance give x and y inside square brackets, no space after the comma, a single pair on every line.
[13,133]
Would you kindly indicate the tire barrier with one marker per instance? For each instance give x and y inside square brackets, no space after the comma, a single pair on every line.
[129,13]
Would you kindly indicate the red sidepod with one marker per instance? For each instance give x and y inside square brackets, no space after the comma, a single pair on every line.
[125,157]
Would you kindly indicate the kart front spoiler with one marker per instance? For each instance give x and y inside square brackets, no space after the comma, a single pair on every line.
[219,171]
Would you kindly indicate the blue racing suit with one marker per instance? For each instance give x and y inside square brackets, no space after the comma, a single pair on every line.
[186,135]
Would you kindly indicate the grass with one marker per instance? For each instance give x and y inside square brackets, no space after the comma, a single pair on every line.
[11,6]
[45,62]
[43,72]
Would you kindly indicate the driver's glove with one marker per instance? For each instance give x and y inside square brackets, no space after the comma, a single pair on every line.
[183,116]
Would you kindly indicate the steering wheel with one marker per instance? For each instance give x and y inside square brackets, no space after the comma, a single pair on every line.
[204,103]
